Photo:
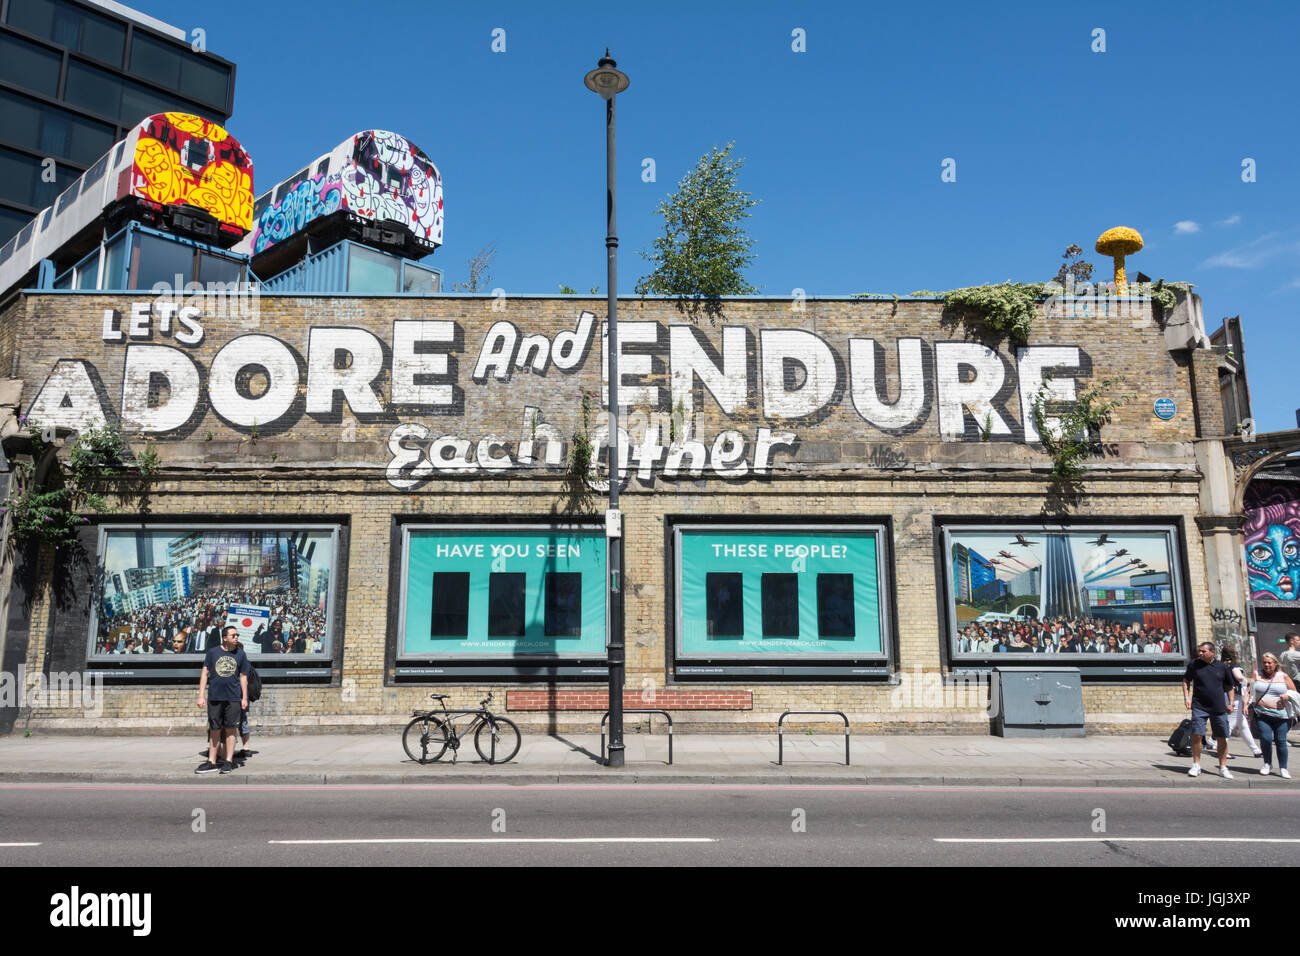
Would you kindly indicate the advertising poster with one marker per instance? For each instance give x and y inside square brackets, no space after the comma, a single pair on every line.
[171,591]
[776,593]
[503,593]
[1075,593]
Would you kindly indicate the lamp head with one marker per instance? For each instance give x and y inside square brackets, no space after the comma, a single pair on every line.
[605,79]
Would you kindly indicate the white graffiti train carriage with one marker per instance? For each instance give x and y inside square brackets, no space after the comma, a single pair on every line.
[376,188]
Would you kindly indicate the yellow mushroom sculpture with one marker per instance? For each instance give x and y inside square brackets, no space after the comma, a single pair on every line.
[1118,243]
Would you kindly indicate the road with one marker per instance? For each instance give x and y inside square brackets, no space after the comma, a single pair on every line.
[76,825]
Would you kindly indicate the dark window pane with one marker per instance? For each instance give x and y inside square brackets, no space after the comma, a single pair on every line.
[21,180]
[780,605]
[723,600]
[219,269]
[450,616]
[53,131]
[506,604]
[835,606]
[93,90]
[204,80]
[102,39]
[155,60]
[157,260]
[11,220]
[563,604]
[29,65]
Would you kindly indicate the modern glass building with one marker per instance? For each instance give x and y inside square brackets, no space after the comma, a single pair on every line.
[75,77]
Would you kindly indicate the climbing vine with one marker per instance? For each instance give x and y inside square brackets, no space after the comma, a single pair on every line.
[1077,437]
[48,496]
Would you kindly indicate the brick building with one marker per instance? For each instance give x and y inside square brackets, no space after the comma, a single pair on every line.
[822,503]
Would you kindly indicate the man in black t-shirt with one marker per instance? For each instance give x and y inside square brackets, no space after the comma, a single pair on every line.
[1205,682]
[223,690]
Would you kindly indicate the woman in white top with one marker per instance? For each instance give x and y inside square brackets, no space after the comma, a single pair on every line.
[1269,707]
[1237,722]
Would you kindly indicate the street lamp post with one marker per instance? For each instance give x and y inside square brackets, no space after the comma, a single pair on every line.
[609,82]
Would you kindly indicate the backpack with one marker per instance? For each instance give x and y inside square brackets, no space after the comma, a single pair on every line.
[254,684]
[1180,741]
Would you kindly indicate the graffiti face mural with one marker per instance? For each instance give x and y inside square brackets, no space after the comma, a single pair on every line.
[1272,533]
[186,160]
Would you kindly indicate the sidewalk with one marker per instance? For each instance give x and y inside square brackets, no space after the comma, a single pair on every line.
[737,759]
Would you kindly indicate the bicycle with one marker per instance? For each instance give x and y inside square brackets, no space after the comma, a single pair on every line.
[430,733]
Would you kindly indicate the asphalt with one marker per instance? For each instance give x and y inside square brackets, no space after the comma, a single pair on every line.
[730,759]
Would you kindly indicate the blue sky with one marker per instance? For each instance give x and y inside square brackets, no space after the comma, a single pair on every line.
[1053,143]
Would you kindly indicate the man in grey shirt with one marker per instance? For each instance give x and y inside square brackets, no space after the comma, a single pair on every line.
[1290,659]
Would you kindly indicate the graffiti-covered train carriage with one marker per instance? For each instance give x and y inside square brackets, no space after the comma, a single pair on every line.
[174,172]
[376,187]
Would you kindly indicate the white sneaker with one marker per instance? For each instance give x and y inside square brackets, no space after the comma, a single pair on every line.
[1194,770]
[1265,770]
[1284,774]
[1225,773]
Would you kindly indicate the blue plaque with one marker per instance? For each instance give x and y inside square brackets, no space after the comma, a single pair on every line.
[1165,408]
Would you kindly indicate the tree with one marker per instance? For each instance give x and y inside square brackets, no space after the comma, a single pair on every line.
[1074,265]
[704,249]
[480,270]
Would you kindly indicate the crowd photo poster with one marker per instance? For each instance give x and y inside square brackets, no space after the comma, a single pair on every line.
[1064,591]
[174,590]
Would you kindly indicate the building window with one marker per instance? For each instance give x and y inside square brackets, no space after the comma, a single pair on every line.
[180,69]
[99,91]
[420,281]
[370,271]
[55,132]
[30,66]
[71,26]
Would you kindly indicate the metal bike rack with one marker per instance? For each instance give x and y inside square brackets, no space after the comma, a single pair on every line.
[666,715]
[780,738]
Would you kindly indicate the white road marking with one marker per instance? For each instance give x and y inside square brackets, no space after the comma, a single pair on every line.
[19,844]
[1113,839]
[503,840]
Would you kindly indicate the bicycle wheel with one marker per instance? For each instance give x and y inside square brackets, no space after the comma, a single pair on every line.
[507,739]
[425,739]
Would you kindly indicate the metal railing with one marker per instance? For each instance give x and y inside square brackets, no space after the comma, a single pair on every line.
[780,732]
[664,713]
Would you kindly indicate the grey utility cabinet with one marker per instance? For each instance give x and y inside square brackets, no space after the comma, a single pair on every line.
[1037,702]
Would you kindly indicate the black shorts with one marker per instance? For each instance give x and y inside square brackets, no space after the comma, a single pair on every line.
[223,714]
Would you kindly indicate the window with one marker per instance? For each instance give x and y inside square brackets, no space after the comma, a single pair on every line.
[11,220]
[563,604]
[72,27]
[120,99]
[179,68]
[88,272]
[155,260]
[725,608]
[370,271]
[780,605]
[450,616]
[114,254]
[418,280]
[53,131]
[835,605]
[29,65]
[219,269]
[21,180]
[506,604]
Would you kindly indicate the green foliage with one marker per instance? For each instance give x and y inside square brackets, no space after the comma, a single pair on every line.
[567,290]
[704,249]
[47,497]
[1008,307]
[1077,438]
[581,455]
[1163,293]
[479,267]
[1074,266]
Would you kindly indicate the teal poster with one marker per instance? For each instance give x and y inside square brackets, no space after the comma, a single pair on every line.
[777,593]
[503,593]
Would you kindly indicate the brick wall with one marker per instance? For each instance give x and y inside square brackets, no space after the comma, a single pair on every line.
[307,464]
